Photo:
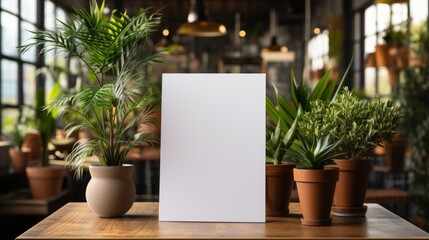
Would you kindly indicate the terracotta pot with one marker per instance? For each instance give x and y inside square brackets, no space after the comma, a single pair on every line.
[32,141]
[111,191]
[382,56]
[315,191]
[45,182]
[403,57]
[19,158]
[351,187]
[279,184]
[394,76]
[395,154]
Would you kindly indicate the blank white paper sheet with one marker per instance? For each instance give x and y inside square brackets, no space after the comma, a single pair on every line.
[213,148]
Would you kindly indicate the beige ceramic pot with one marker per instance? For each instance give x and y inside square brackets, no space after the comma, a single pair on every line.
[111,191]
[19,158]
[45,182]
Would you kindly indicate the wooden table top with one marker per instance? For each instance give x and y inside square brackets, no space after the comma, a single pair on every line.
[76,221]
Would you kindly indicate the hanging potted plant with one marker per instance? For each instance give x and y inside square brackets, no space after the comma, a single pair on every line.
[279,175]
[361,125]
[107,45]
[315,185]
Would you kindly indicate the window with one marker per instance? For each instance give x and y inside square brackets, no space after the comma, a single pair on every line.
[318,52]
[18,71]
[377,18]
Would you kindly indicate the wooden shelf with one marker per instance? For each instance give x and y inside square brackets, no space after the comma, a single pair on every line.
[20,202]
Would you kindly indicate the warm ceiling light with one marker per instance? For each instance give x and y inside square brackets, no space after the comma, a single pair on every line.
[165,32]
[316,30]
[242,33]
[199,25]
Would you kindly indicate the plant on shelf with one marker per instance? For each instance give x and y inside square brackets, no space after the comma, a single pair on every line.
[111,48]
[279,175]
[19,155]
[361,125]
[394,37]
[315,185]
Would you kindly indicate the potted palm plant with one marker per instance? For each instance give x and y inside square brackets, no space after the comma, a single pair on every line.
[315,185]
[111,49]
[361,125]
[279,175]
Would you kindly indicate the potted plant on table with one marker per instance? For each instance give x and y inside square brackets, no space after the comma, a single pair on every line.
[315,185]
[107,45]
[361,125]
[279,176]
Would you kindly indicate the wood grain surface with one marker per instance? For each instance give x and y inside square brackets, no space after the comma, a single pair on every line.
[76,221]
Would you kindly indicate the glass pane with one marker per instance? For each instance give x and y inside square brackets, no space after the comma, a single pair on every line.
[49,15]
[370,16]
[29,78]
[370,42]
[26,27]
[370,82]
[10,5]
[418,11]
[28,10]
[9,25]
[9,82]
[383,16]
[399,11]
[9,116]
[61,15]
[384,87]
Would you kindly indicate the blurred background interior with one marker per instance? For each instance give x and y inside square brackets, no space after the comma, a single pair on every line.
[388,40]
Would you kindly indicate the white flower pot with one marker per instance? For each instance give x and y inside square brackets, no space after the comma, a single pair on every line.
[111,191]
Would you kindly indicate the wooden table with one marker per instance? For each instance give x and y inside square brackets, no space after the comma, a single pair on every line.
[76,221]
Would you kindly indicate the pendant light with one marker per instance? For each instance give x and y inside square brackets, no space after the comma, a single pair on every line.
[274,46]
[199,25]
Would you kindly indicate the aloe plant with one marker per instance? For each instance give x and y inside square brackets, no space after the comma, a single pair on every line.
[277,143]
[106,45]
[312,154]
[285,112]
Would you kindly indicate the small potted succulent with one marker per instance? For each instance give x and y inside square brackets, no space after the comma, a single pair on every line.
[315,184]
[279,175]
[112,50]
[361,125]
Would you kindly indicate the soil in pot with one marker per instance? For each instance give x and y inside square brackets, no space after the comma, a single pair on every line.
[351,187]
[279,184]
[111,191]
[315,191]
[45,182]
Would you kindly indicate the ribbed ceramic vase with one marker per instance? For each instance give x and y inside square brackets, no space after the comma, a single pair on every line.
[111,190]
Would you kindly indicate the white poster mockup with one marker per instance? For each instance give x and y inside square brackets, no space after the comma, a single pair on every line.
[213,148]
